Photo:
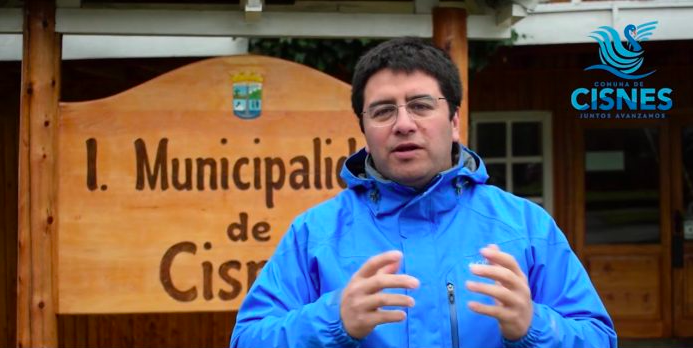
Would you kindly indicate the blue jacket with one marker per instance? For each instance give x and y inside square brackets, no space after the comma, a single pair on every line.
[295,300]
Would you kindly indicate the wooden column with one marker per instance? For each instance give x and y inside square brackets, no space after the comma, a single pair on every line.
[36,297]
[450,34]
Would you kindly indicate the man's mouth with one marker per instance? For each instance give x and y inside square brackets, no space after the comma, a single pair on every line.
[407,147]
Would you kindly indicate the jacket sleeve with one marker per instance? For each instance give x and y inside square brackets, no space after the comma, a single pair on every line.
[567,309]
[282,308]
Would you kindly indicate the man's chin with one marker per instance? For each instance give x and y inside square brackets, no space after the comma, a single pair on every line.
[412,180]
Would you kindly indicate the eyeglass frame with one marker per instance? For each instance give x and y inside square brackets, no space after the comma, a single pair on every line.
[412,115]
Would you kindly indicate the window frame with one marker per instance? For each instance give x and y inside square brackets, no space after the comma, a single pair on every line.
[508,118]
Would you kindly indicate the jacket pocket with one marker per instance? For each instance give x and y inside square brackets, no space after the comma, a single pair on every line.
[450,288]
[467,328]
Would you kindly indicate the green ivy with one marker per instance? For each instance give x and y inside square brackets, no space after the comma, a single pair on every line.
[336,57]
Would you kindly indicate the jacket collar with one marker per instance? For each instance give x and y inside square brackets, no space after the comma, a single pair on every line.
[384,196]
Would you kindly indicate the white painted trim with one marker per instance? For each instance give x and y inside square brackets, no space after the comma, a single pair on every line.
[11,21]
[272,24]
[105,46]
[563,23]
[109,46]
[609,5]
[555,23]
[11,47]
[232,23]
[510,117]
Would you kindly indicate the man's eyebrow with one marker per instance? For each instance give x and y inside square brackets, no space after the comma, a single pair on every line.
[417,96]
[389,101]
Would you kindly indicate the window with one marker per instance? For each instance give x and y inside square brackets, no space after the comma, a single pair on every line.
[622,186]
[516,148]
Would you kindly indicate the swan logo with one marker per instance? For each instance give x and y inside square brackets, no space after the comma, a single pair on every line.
[619,59]
[626,96]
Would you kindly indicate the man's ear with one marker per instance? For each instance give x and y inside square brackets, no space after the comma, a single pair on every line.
[456,126]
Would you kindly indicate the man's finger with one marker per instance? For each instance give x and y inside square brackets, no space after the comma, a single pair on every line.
[387,316]
[499,293]
[492,311]
[371,267]
[499,274]
[388,281]
[390,268]
[495,256]
[378,300]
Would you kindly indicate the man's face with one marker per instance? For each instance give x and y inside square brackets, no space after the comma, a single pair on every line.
[410,152]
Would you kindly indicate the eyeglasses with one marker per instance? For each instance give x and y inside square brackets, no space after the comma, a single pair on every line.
[384,115]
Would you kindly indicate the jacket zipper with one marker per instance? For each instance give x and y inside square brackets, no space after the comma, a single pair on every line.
[453,316]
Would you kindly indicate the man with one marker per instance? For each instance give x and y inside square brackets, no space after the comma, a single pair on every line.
[418,251]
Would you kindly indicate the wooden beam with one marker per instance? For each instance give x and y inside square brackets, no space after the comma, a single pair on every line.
[450,34]
[36,298]
[152,22]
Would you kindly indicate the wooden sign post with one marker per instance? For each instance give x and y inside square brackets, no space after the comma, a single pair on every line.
[36,319]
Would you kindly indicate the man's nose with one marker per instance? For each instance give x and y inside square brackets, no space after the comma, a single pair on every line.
[404,123]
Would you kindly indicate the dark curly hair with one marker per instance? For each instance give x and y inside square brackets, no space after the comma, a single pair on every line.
[407,55]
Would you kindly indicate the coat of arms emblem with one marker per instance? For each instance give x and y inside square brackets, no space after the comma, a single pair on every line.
[247,95]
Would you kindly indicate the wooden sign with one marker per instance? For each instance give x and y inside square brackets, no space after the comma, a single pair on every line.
[172,195]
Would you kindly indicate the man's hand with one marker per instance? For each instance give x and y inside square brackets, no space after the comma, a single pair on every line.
[513,308]
[362,298]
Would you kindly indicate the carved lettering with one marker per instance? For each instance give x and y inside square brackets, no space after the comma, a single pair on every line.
[201,164]
[235,284]
[207,271]
[316,162]
[238,231]
[165,272]
[243,173]
[342,161]
[300,173]
[254,269]
[160,166]
[237,174]
[187,185]
[272,183]
[261,231]
[91,164]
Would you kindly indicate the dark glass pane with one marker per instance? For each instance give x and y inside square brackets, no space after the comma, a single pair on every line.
[527,179]
[526,139]
[687,150]
[622,186]
[490,139]
[496,173]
